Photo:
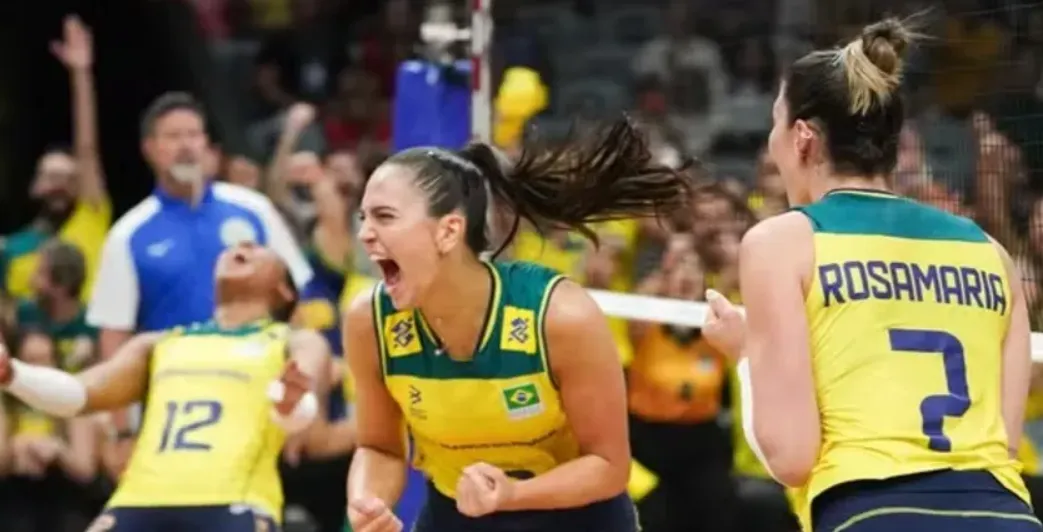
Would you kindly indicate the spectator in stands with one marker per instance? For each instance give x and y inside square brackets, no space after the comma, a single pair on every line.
[54,461]
[652,111]
[768,196]
[69,185]
[158,261]
[242,170]
[675,386]
[1019,113]
[972,42]
[999,182]
[719,218]
[358,112]
[55,314]
[292,169]
[692,68]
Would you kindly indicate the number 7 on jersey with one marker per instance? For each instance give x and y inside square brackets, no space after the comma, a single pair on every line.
[935,408]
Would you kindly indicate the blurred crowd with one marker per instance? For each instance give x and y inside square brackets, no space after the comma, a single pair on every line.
[315,86]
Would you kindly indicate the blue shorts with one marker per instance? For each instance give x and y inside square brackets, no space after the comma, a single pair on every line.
[183,519]
[617,514]
[949,501]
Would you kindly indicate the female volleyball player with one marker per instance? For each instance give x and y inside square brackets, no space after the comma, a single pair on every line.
[885,349]
[506,374]
[206,457]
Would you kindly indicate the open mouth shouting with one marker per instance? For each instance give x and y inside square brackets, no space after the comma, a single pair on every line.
[391,271]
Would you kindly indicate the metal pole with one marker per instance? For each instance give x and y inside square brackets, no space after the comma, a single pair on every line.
[481,77]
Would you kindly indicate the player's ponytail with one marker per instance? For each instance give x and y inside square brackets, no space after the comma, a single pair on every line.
[606,174]
[872,64]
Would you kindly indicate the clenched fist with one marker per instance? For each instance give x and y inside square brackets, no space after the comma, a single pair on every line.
[725,326]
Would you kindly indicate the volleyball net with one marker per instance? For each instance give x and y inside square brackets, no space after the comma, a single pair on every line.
[691,313]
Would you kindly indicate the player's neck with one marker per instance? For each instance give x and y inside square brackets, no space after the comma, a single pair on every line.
[847,182]
[235,314]
[459,294]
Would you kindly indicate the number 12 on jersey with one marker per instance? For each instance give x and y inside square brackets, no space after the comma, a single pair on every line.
[935,408]
[184,418]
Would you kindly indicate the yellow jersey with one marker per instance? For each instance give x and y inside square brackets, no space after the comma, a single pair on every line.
[501,407]
[908,308]
[207,436]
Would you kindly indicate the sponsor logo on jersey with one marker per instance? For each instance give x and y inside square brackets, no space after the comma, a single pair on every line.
[400,334]
[519,330]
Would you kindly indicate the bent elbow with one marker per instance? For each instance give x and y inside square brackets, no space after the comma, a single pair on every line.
[617,480]
[790,462]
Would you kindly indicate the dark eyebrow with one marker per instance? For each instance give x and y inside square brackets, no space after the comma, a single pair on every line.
[381,208]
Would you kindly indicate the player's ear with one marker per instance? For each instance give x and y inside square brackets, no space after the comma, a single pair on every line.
[449,232]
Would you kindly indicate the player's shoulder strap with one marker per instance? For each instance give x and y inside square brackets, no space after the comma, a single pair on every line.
[525,284]
[527,290]
[380,308]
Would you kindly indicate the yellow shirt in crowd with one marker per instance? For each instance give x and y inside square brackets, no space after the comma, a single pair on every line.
[86,229]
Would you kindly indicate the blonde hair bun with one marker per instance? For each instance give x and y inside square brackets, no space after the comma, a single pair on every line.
[873,63]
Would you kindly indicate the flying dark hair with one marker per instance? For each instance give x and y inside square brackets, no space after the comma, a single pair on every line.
[165,104]
[853,95]
[607,174]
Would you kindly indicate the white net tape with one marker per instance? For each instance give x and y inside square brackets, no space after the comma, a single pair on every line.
[691,313]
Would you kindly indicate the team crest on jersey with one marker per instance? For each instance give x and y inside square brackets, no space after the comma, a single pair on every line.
[103,523]
[519,330]
[522,401]
[400,334]
[236,230]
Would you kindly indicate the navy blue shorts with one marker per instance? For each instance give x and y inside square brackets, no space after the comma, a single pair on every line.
[617,514]
[949,501]
[183,519]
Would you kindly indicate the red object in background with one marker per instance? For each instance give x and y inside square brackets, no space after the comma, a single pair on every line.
[652,102]
[344,134]
[378,58]
[212,17]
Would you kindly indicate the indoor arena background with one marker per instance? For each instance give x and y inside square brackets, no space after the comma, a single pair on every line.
[699,75]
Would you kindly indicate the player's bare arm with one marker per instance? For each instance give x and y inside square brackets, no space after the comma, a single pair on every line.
[1017,357]
[775,260]
[310,355]
[114,383]
[378,469]
[585,363]
[79,458]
